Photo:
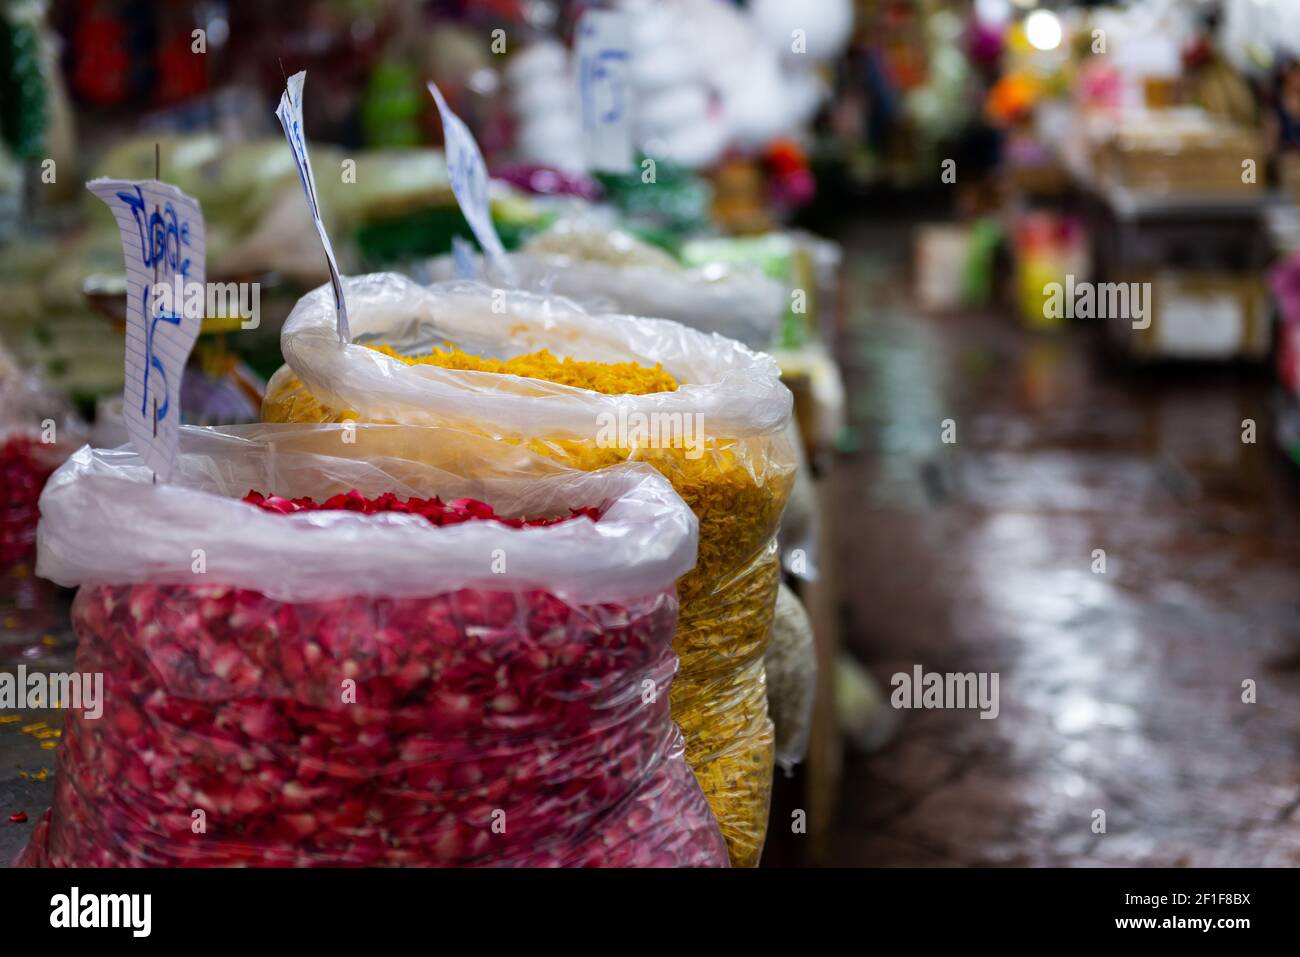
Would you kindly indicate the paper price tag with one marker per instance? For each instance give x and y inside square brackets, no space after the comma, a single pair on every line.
[469,178]
[1207,326]
[163,242]
[289,113]
[604,64]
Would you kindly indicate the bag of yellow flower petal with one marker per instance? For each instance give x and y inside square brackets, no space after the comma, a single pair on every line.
[589,391]
[351,672]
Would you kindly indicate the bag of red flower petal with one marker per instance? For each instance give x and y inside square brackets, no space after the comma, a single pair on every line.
[376,676]
[709,414]
[38,430]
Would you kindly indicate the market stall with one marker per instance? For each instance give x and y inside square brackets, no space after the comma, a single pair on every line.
[567,359]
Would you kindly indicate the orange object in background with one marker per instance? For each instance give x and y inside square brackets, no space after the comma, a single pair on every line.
[785,156]
[1011,98]
[1160,92]
[740,198]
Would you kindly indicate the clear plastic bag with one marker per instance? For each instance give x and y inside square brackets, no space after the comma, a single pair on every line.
[38,430]
[731,300]
[791,666]
[584,240]
[330,688]
[736,477]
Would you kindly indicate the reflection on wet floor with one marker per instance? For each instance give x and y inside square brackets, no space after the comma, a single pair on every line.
[1120,690]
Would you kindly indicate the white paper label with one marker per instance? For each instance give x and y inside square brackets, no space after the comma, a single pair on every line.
[462,257]
[603,69]
[469,178]
[163,244]
[1205,326]
[289,114]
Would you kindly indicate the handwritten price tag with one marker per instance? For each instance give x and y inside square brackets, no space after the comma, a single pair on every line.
[603,67]
[163,244]
[289,113]
[469,178]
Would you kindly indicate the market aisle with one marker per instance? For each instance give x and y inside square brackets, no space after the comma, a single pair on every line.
[1119,692]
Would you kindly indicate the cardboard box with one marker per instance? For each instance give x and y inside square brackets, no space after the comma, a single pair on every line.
[1180,152]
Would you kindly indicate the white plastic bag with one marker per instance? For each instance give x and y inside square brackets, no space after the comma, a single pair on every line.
[732,301]
[736,392]
[105,522]
[791,665]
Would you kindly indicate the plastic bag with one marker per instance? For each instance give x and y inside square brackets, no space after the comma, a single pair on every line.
[799,524]
[329,688]
[38,430]
[735,473]
[731,301]
[36,425]
[583,240]
[791,665]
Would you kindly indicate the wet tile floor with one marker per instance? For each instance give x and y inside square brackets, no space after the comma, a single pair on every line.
[1119,691]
